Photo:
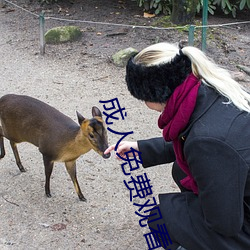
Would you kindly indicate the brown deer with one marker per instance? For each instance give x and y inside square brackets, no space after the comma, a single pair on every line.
[59,138]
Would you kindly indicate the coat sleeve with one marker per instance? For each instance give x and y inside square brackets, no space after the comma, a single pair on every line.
[156,151]
[220,173]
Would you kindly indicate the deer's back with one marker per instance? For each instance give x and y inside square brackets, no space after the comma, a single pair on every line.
[24,118]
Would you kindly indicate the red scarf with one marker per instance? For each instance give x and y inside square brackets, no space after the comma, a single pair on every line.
[174,119]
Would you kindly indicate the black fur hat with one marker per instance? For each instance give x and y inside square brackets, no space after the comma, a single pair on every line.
[156,83]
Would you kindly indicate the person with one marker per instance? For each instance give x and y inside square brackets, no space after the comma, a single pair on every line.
[205,120]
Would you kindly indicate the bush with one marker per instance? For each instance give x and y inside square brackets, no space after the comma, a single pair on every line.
[227,6]
[47,1]
[156,6]
[232,6]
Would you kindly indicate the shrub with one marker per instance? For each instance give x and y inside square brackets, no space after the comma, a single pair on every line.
[157,6]
[47,1]
[227,6]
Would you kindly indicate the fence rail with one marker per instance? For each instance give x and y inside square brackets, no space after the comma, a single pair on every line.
[191,28]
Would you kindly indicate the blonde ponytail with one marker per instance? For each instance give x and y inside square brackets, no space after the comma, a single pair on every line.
[218,78]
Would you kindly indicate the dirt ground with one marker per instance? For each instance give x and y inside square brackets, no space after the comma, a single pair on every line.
[76,76]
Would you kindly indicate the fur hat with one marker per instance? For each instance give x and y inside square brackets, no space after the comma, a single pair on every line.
[156,83]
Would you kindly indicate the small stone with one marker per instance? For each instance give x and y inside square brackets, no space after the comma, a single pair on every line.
[121,58]
[44,225]
[2,3]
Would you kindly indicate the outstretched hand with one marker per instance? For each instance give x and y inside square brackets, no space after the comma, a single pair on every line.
[122,148]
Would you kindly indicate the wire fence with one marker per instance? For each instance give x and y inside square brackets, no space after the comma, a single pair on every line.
[191,28]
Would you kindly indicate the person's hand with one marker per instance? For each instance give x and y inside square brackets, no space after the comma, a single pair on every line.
[122,148]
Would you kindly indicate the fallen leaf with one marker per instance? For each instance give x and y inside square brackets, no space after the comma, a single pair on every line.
[147,15]
[58,227]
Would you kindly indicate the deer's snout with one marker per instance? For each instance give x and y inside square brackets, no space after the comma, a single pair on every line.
[106,156]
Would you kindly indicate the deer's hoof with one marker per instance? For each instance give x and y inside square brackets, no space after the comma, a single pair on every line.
[82,198]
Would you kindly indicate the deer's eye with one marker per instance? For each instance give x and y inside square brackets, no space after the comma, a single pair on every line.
[91,136]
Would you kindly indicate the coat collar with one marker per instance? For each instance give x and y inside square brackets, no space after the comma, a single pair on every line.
[205,99]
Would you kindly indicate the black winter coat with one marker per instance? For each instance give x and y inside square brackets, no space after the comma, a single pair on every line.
[216,145]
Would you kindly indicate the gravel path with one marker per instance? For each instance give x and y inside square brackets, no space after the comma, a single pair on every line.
[70,79]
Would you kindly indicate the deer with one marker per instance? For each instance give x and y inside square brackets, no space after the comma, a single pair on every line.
[58,138]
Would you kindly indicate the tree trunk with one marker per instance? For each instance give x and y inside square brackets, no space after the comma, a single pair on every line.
[183,11]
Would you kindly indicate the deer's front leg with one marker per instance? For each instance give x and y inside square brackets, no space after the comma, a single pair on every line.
[71,168]
[48,165]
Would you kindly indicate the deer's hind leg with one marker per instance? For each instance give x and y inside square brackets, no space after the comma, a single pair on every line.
[71,168]
[16,154]
[1,144]
[48,164]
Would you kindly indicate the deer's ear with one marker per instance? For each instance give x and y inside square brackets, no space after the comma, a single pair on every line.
[80,118]
[96,112]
